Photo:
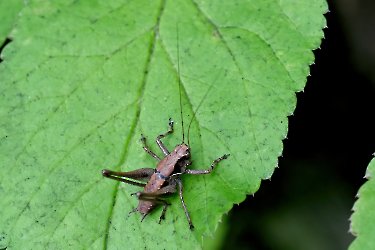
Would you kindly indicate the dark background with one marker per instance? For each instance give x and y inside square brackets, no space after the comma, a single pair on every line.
[309,200]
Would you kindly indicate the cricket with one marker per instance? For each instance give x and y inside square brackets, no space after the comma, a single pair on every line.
[165,177]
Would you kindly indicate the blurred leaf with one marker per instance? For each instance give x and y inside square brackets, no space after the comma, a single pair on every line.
[362,220]
[82,81]
[217,240]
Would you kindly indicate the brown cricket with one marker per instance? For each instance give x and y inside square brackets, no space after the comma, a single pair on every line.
[164,178]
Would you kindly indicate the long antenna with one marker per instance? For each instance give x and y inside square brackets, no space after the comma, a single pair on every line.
[179,84]
[204,98]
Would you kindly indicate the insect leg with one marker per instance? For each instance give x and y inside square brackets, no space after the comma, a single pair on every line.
[133,177]
[153,198]
[183,203]
[162,217]
[206,171]
[135,210]
[159,142]
[148,150]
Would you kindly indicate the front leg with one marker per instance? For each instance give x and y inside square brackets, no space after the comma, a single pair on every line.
[160,143]
[148,150]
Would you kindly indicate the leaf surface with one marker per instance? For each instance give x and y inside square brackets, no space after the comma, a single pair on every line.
[362,220]
[8,16]
[82,81]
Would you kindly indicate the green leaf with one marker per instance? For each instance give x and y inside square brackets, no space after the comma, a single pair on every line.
[82,81]
[8,16]
[362,220]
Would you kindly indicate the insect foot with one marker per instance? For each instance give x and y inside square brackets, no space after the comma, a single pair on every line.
[137,194]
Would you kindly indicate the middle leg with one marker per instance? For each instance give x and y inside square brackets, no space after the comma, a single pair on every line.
[206,171]
[179,181]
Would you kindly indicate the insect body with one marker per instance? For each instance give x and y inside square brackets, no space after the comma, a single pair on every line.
[163,179]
